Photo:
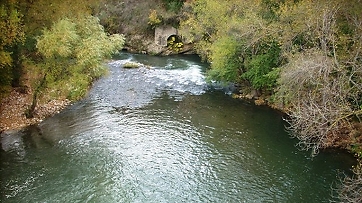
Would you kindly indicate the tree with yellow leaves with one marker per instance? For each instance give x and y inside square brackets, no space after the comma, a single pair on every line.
[73,51]
[11,30]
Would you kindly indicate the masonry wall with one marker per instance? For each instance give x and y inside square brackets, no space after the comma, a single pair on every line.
[162,33]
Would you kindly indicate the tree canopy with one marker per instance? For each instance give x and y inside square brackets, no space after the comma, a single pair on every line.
[60,44]
[74,50]
[306,54]
[12,33]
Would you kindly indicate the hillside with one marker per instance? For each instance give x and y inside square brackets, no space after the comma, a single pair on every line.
[132,18]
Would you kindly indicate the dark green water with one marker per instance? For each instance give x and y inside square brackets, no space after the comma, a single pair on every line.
[163,135]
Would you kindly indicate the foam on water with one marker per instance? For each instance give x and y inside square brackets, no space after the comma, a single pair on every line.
[189,80]
[139,86]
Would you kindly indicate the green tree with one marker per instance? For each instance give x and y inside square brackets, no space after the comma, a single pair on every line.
[262,70]
[40,14]
[226,64]
[238,41]
[74,52]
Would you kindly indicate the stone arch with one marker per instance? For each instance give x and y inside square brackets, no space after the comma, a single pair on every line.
[177,38]
[162,34]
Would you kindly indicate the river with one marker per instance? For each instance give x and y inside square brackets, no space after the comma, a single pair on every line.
[161,134]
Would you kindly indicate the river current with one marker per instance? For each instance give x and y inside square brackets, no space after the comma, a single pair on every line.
[160,133]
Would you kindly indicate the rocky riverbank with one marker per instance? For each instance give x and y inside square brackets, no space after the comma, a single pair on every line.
[12,110]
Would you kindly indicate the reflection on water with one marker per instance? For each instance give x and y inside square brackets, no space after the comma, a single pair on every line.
[160,135]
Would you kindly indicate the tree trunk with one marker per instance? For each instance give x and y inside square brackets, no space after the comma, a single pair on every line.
[29,113]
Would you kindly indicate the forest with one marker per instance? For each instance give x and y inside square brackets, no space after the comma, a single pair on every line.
[300,56]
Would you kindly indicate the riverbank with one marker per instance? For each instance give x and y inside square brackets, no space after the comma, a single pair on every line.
[348,137]
[13,107]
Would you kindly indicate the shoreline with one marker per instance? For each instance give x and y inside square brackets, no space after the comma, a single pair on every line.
[13,107]
[345,140]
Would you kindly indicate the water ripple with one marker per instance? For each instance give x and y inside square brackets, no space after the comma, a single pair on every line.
[158,135]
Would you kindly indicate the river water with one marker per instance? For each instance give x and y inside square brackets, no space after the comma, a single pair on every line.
[161,134]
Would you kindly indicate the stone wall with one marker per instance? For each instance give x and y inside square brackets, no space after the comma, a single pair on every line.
[162,33]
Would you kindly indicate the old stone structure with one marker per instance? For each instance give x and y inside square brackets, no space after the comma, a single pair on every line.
[162,33]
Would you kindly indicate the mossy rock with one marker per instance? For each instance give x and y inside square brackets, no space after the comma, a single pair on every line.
[130,65]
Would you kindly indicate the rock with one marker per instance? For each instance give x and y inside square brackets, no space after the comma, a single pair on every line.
[259,102]
[131,65]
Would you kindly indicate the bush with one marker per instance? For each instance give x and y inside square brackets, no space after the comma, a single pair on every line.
[351,188]
[315,90]
[154,19]
[173,5]
[262,70]
[226,64]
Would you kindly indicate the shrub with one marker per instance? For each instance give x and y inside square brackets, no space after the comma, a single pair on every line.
[173,5]
[262,70]
[154,19]
[226,64]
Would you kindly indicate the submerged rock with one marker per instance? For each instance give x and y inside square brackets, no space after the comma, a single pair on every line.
[132,65]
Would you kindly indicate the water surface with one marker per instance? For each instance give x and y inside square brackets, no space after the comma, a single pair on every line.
[161,134]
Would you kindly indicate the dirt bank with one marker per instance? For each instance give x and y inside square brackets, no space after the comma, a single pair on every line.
[12,110]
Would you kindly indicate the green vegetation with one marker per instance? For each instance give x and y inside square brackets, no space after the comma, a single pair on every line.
[305,56]
[241,45]
[154,19]
[59,45]
[225,61]
[262,70]
[73,55]
[173,5]
[12,35]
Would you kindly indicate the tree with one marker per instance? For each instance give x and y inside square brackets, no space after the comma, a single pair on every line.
[11,30]
[43,13]
[262,70]
[316,92]
[321,84]
[226,64]
[74,51]
[237,39]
